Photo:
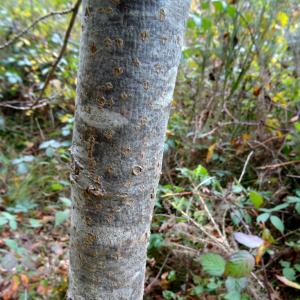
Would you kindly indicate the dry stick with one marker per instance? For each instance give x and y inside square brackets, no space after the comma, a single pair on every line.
[65,43]
[23,32]
[177,194]
[148,288]
[269,291]
[275,166]
[258,280]
[213,239]
[40,129]
[187,249]
[216,226]
[41,103]
[245,166]
[236,122]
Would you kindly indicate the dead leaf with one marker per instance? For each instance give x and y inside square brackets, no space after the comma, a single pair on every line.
[289,283]
[210,152]
[11,291]
[25,280]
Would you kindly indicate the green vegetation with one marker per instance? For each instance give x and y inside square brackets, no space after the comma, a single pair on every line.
[226,221]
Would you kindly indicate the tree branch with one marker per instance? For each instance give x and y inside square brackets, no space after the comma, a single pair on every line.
[64,47]
[32,25]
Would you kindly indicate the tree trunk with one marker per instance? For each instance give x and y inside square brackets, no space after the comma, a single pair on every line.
[130,50]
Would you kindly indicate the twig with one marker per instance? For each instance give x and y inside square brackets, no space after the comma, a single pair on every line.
[34,105]
[177,194]
[267,285]
[40,129]
[32,25]
[148,288]
[216,226]
[245,166]
[292,176]
[275,166]
[213,239]
[63,48]
[257,279]
[235,122]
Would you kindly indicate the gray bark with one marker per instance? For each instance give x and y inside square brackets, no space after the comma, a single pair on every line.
[129,57]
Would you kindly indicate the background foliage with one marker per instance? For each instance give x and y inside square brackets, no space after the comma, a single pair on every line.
[226,222]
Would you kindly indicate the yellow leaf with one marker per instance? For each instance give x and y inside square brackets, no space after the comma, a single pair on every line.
[280,98]
[25,280]
[246,137]
[283,18]
[210,152]
[65,118]
[261,251]
[11,291]
[273,123]
[194,5]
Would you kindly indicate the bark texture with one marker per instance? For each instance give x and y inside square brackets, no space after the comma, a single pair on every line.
[129,57]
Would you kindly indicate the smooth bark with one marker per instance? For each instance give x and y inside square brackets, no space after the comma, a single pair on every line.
[129,57]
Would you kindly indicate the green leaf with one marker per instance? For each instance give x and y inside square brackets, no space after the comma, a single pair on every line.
[256,199]
[289,273]
[13,224]
[12,244]
[277,223]
[220,6]
[279,207]
[231,10]
[3,221]
[206,23]
[237,188]
[61,216]
[297,267]
[297,208]
[262,218]
[213,264]
[156,241]
[205,5]
[34,223]
[66,201]
[200,171]
[293,199]
[233,295]
[197,290]
[236,284]
[240,264]
[172,276]
[169,295]
[56,186]
[11,220]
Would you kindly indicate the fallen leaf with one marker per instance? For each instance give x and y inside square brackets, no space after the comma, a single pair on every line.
[289,283]
[25,280]
[210,152]
[248,240]
[11,291]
